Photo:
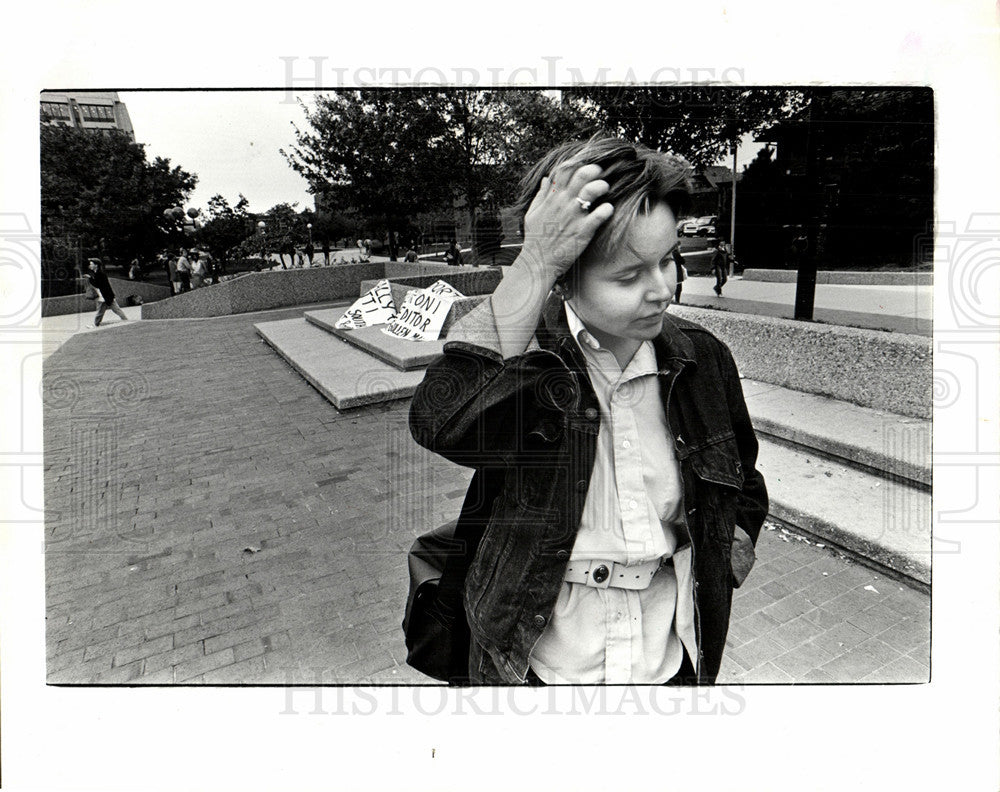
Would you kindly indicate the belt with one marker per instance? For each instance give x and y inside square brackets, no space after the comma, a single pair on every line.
[609,574]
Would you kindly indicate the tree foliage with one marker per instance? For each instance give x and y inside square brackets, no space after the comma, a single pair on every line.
[102,193]
[226,226]
[699,124]
[396,154]
[854,165]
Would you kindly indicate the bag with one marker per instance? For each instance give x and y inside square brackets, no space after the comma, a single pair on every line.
[437,634]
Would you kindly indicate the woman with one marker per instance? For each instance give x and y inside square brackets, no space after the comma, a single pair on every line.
[615,502]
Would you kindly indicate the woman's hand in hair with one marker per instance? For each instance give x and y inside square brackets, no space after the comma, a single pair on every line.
[557,227]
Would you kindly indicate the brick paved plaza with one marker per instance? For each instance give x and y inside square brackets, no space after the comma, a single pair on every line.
[211,518]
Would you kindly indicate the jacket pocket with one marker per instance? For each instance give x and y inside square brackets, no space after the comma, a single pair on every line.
[719,463]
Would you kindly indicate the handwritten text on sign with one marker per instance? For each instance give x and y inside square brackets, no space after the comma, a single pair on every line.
[375,307]
[423,312]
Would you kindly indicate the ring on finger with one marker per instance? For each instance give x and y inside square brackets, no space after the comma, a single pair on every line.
[584,205]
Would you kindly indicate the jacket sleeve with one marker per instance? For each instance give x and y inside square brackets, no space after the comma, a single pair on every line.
[752,505]
[476,408]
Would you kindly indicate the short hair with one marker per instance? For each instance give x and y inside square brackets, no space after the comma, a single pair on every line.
[638,177]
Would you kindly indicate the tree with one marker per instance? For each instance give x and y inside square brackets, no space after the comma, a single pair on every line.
[226,227]
[100,192]
[397,155]
[283,229]
[854,172]
[699,124]
[495,136]
[763,221]
[373,150]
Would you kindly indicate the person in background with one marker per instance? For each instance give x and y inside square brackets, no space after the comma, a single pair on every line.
[100,283]
[310,252]
[453,255]
[197,269]
[326,252]
[170,264]
[183,270]
[682,274]
[134,270]
[411,256]
[720,266]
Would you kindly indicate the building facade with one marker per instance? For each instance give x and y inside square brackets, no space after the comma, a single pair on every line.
[100,111]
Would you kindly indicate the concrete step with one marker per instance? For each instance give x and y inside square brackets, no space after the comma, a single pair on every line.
[894,446]
[347,376]
[885,522]
[826,462]
[397,352]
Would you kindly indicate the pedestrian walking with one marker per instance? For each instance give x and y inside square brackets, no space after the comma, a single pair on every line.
[720,266]
[183,271]
[98,281]
[615,502]
[682,274]
[326,252]
[310,252]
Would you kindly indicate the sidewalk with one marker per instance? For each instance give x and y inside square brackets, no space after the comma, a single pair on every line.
[213,519]
[903,309]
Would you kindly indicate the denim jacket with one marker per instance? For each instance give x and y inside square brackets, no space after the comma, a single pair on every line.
[528,425]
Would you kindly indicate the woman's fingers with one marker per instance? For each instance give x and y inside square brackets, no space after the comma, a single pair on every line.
[593,190]
[582,176]
[543,191]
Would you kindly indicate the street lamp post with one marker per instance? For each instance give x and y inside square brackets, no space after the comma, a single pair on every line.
[261,226]
[309,250]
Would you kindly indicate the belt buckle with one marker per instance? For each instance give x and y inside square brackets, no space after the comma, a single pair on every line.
[599,574]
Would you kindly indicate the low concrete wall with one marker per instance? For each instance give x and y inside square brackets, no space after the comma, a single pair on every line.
[262,291]
[845,278]
[406,269]
[77,303]
[886,371]
[468,281]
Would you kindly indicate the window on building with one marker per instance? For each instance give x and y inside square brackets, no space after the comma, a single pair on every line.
[54,110]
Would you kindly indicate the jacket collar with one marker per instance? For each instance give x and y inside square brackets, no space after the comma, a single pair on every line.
[672,345]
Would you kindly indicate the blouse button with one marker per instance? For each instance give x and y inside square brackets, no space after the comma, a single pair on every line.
[539,620]
[590,413]
[562,555]
[581,485]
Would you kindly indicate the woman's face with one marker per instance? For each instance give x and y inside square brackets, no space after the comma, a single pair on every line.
[623,295]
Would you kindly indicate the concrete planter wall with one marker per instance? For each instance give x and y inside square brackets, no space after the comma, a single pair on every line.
[262,291]
[886,371]
[77,303]
[845,278]
[469,282]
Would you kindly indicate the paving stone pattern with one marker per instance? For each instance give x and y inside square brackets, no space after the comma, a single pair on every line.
[210,518]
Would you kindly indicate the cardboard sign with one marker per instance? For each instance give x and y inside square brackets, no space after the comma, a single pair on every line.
[423,312]
[375,307]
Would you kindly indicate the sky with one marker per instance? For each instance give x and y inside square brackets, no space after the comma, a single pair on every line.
[231,140]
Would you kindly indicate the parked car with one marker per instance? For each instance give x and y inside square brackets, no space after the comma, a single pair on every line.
[705,226]
[687,226]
